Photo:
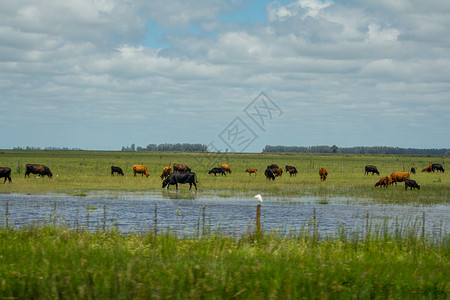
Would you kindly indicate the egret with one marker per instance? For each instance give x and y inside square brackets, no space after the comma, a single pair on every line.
[258,196]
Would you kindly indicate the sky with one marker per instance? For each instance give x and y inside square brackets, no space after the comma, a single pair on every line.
[234,75]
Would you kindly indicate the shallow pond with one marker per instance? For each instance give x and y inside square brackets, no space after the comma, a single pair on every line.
[191,213]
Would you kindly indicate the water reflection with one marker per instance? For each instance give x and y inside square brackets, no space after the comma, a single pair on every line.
[186,212]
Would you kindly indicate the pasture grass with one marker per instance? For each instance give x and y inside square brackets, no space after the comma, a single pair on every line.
[41,262]
[83,172]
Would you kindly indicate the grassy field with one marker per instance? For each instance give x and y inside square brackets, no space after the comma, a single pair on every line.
[87,171]
[56,263]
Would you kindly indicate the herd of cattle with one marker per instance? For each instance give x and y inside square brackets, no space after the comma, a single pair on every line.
[182,174]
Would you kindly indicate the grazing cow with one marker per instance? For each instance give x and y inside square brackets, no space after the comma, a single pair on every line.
[269,174]
[5,172]
[437,167]
[140,169]
[37,169]
[217,170]
[278,172]
[292,170]
[175,178]
[273,167]
[428,168]
[323,174]
[226,167]
[398,177]
[116,170]
[181,168]
[384,181]
[250,171]
[409,183]
[165,172]
[413,170]
[370,168]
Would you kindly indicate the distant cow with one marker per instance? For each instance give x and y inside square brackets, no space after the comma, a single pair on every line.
[165,172]
[181,168]
[116,170]
[371,169]
[250,171]
[226,167]
[384,181]
[413,170]
[140,169]
[273,167]
[437,167]
[5,172]
[216,171]
[278,172]
[37,169]
[323,174]
[292,170]
[269,173]
[176,178]
[428,168]
[409,183]
[398,177]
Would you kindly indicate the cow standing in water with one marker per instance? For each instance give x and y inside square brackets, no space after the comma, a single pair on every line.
[37,169]
[5,172]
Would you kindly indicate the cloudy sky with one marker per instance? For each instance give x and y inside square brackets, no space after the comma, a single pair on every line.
[102,74]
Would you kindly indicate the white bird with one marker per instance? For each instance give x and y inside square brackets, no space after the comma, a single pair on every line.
[258,196]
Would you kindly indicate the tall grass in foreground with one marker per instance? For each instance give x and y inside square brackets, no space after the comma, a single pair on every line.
[43,262]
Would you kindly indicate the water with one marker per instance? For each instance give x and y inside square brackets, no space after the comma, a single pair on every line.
[182,212]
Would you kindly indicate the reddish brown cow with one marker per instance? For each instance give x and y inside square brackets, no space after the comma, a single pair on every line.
[428,169]
[165,172]
[278,172]
[323,174]
[140,169]
[250,171]
[226,167]
[398,177]
[384,181]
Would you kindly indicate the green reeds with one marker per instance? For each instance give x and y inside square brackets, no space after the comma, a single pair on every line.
[45,262]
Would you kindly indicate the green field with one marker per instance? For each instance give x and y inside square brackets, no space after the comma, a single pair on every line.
[82,172]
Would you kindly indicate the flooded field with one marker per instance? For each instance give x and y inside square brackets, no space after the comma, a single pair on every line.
[194,213]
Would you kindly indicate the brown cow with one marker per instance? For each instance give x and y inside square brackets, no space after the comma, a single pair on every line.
[428,169]
[181,168]
[398,177]
[278,172]
[384,181]
[226,167]
[5,172]
[250,171]
[292,170]
[41,170]
[140,169]
[165,172]
[323,174]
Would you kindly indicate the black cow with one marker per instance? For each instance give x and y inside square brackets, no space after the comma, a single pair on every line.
[370,168]
[411,184]
[269,173]
[217,170]
[437,167]
[176,177]
[38,169]
[292,170]
[273,167]
[116,170]
[413,170]
[5,172]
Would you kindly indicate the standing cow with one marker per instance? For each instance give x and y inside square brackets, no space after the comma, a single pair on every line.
[117,170]
[437,167]
[140,169]
[182,178]
[181,168]
[371,169]
[292,170]
[269,174]
[250,171]
[384,181]
[5,172]
[398,177]
[37,169]
[323,174]
[226,167]
[165,172]
[409,183]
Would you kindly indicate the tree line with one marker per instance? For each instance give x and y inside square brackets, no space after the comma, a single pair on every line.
[355,150]
[184,147]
